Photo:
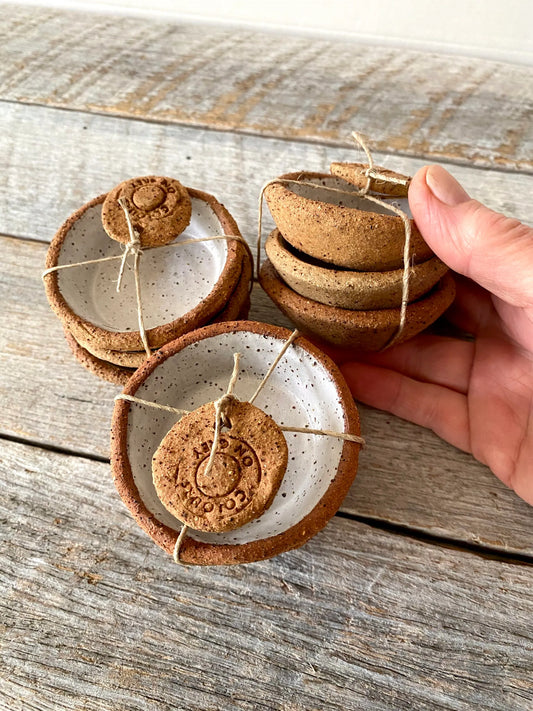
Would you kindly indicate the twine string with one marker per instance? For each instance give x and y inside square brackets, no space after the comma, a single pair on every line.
[134,247]
[180,243]
[370,172]
[178,544]
[221,406]
[134,244]
[280,355]
[221,409]
[147,403]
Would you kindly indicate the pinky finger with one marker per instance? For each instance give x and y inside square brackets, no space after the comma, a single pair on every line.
[436,407]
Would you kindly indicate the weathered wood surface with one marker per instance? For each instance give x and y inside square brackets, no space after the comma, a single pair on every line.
[439,107]
[53,161]
[96,617]
[407,475]
[92,615]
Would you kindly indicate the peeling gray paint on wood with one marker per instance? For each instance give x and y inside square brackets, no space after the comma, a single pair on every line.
[92,615]
[419,104]
[95,616]
[54,161]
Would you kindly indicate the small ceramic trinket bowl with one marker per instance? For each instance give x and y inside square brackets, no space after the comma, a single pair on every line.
[304,390]
[346,262]
[342,229]
[370,330]
[182,286]
[346,288]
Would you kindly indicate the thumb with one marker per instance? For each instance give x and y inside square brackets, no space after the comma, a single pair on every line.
[493,250]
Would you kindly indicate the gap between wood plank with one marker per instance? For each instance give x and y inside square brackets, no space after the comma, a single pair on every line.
[484,551]
[54,448]
[269,136]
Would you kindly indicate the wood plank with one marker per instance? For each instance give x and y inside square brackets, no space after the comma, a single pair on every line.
[54,161]
[95,617]
[420,104]
[407,475]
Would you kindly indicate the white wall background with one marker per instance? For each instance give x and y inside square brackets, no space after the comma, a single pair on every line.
[495,29]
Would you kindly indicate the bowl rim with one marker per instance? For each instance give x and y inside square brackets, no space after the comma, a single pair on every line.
[372,321]
[338,279]
[162,333]
[202,553]
[110,372]
[389,219]
[232,311]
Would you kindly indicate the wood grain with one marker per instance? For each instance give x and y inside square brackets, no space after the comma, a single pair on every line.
[94,616]
[53,161]
[407,475]
[462,109]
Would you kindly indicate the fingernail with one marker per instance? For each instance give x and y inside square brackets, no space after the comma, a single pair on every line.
[444,186]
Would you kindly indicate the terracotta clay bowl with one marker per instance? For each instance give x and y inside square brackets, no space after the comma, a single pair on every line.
[236,308]
[354,173]
[361,330]
[344,288]
[107,371]
[195,369]
[181,287]
[120,374]
[344,230]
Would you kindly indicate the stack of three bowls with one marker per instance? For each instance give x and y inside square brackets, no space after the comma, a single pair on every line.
[184,282]
[336,260]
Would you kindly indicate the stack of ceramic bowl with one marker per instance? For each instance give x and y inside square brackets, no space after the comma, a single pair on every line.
[194,370]
[336,260]
[182,287]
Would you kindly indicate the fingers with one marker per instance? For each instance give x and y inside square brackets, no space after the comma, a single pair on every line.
[442,410]
[431,359]
[473,309]
[493,250]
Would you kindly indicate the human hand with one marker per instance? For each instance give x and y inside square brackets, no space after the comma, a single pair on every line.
[477,395]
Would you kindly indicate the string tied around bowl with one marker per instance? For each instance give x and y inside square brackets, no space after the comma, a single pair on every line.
[133,247]
[370,172]
[220,420]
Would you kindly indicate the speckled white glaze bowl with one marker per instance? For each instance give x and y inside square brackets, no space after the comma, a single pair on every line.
[305,390]
[181,287]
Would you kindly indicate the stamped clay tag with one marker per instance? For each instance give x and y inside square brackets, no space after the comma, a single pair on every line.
[248,467]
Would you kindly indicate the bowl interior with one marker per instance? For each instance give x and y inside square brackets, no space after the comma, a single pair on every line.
[300,392]
[173,279]
[353,201]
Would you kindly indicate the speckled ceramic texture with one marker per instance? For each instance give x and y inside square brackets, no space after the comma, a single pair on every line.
[181,287]
[236,308]
[348,289]
[107,371]
[354,173]
[361,330]
[119,374]
[340,229]
[305,389]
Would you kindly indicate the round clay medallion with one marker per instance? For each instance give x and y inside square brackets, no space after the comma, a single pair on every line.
[248,466]
[159,208]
